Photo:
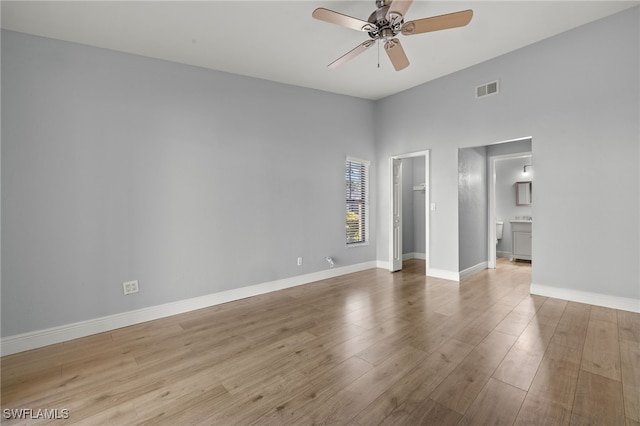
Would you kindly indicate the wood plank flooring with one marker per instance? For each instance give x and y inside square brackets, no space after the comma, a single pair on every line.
[362,349]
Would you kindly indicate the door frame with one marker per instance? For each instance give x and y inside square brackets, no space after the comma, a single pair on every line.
[427,203]
[396,254]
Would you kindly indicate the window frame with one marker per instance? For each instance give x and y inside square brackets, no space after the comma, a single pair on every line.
[363,200]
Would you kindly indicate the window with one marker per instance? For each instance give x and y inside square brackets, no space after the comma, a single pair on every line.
[357,184]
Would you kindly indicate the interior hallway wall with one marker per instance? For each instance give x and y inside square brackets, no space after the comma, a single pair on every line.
[419,211]
[413,208]
[472,207]
[407,207]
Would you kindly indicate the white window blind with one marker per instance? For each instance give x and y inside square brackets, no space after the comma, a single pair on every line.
[357,196]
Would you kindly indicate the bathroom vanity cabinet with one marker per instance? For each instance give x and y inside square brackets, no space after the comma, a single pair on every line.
[521,239]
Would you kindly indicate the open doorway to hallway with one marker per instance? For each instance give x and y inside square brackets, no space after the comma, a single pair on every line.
[477,220]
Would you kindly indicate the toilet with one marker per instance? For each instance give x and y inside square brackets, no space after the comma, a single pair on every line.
[499,229]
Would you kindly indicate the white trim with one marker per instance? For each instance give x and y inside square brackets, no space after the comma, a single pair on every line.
[597,299]
[365,243]
[39,338]
[473,270]
[358,160]
[444,274]
[414,255]
[383,264]
[504,254]
[396,220]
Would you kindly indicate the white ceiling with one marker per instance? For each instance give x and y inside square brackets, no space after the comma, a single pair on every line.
[280,41]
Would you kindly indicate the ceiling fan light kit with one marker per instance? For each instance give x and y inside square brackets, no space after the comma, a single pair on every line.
[385,23]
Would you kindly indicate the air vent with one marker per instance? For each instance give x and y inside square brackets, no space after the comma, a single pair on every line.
[487,89]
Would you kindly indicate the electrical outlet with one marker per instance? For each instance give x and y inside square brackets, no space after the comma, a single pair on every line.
[130,287]
[300,261]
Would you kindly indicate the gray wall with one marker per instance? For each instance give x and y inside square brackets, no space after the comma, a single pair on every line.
[577,95]
[472,207]
[508,172]
[117,167]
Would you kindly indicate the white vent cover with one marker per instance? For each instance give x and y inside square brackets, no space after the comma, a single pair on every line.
[487,89]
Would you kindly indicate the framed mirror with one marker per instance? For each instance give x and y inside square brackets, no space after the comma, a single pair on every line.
[523,193]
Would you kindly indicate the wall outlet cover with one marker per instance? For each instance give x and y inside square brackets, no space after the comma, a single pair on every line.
[130,287]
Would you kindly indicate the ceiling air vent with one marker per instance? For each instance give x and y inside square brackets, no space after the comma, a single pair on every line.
[487,89]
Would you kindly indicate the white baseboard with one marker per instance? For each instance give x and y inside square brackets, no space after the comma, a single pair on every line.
[408,256]
[36,339]
[383,264]
[597,299]
[473,270]
[431,272]
[444,274]
[506,254]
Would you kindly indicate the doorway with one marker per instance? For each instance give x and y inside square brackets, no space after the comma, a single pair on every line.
[419,182]
[504,172]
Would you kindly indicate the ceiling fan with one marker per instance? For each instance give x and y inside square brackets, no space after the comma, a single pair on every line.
[385,23]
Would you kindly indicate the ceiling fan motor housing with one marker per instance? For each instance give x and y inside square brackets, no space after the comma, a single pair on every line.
[385,28]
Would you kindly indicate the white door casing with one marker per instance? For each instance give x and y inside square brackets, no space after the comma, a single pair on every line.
[395,254]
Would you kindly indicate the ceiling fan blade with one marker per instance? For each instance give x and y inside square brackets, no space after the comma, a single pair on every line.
[351,54]
[398,8]
[396,54]
[436,23]
[332,17]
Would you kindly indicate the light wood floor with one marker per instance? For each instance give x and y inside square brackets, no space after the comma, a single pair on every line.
[363,349]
